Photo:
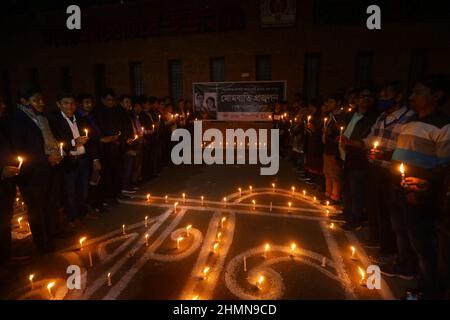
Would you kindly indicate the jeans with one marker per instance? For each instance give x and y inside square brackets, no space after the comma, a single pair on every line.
[76,183]
[354,182]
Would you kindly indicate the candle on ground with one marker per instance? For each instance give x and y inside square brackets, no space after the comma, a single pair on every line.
[215,247]
[225,202]
[90,259]
[289,204]
[202,199]
[293,247]
[324,262]
[123,229]
[375,145]
[219,236]
[270,206]
[245,263]
[81,243]
[240,192]
[165,198]
[109,279]
[30,278]
[304,193]
[184,197]
[49,288]
[222,221]
[254,204]
[260,282]
[146,221]
[20,162]
[251,188]
[266,249]
[148,196]
[363,276]
[273,187]
[178,242]
[175,207]
[19,220]
[188,227]
[205,272]
[352,248]
[293,189]
[146,239]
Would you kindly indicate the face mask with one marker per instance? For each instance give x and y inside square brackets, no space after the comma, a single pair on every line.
[384,105]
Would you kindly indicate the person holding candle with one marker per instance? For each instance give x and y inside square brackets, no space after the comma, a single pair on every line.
[355,159]
[334,118]
[40,177]
[109,121]
[68,128]
[424,147]
[149,119]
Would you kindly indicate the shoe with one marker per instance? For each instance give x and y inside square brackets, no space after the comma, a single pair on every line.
[127,192]
[338,217]
[351,226]
[394,271]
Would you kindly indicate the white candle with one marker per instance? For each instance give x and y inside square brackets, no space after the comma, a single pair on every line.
[245,263]
[375,145]
[175,207]
[202,200]
[205,272]
[340,135]
[240,192]
[81,243]
[251,188]
[402,171]
[293,247]
[289,204]
[86,133]
[215,247]
[254,204]
[352,248]
[266,249]
[309,119]
[260,282]
[325,122]
[30,278]
[145,221]
[19,220]
[109,279]
[304,193]
[188,227]
[225,202]
[324,262]
[178,242]
[270,206]
[148,196]
[49,288]
[90,259]
[123,229]
[273,187]
[61,151]
[184,197]
[293,189]
[219,236]
[222,221]
[165,198]
[146,239]
[20,162]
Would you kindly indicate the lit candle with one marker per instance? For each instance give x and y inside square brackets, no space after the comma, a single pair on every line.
[205,272]
[332,226]
[136,137]
[188,227]
[109,279]
[304,193]
[309,119]
[266,249]
[289,204]
[146,221]
[251,188]
[325,122]
[327,212]
[195,297]
[165,198]
[219,236]
[240,192]
[260,282]
[86,133]
[222,221]
[254,204]
[245,264]
[123,229]
[363,276]
[293,247]
[148,196]
[90,259]
[20,162]
[81,243]
[352,248]
[178,242]
[375,145]
[225,202]
[146,239]
[273,187]
[61,151]
[402,171]
[293,189]
[19,220]
[49,288]
[159,118]
[340,135]
[153,127]
[270,206]
[314,199]
[143,130]
[327,203]
[184,197]
[202,199]
[215,247]
[30,278]
[175,207]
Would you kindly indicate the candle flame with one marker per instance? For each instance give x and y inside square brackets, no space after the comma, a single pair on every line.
[362,274]
[332,226]
[205,272]
[352,248]
[195,297]
[20,159]
[82,240]
[148,196]
[50,285]
[293,189]
[31,277]
[215,247]
[19,220]
[260,280]
[375,144]
[293,247]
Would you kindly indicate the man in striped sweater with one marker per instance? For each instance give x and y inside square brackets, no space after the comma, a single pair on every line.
[423,147]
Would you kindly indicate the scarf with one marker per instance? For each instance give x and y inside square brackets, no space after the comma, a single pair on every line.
[51,146]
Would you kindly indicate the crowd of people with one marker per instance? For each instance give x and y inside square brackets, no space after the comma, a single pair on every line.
[381,155]
[73,163]
[384,158]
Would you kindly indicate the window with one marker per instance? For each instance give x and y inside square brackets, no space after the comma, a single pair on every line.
[311,76]
[99,80]
[137,85]
[34,78]
[264,68]
[66,79]
[175,80]
[417,66]
[6,89]
[363,75]
[217,69]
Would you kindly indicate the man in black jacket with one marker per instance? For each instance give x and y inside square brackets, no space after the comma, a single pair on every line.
[355,158]
[33,140]
[73,132]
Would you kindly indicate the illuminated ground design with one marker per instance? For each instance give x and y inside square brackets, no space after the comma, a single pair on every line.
[281,246]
